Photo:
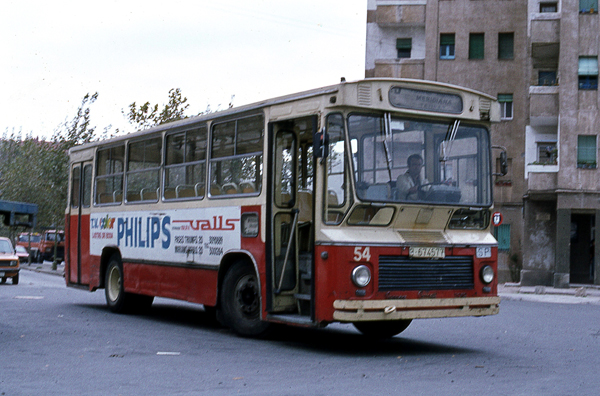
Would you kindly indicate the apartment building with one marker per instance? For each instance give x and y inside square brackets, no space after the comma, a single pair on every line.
[540,58]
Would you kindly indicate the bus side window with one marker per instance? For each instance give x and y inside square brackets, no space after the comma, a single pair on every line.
[143,170]
[185,164]
[109,175]
[236,156]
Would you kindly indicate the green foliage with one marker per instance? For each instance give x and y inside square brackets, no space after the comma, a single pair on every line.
[147,116]
[36,171]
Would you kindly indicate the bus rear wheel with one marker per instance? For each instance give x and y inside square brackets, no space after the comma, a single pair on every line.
[240,301]
[384,329]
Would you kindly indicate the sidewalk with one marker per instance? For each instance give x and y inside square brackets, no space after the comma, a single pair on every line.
[45,267]
[576,294]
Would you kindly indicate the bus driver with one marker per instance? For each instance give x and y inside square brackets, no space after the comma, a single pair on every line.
[410,184]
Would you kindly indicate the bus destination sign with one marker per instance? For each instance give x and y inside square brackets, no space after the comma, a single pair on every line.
[414,99]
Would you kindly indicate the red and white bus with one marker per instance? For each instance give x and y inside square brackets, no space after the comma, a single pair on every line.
[365,202]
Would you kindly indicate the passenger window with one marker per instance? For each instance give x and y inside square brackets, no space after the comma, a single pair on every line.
[109,175]
[185,167]
[143,170]
[236,157]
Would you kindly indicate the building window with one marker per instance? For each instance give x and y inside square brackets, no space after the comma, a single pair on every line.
[502,234]
[588,72]
[506,43]
[447,46]
[476,45]
[404,46]
[506,106]
[547,78]
[549,7]
[590,6]
[586,151]
[546,153]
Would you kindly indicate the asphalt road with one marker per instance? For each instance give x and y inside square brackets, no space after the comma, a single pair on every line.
[59,341]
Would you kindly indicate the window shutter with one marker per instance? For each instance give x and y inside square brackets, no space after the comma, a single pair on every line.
[404,43]
[588,5]
[503,236]
[476,45]
[505,98]
[447,39]
[506,45]
[586,149]
[588,66]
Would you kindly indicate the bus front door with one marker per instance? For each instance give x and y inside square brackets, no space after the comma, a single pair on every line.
[78,243]
[291,218]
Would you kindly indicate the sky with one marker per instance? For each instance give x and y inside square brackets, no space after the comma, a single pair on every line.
[56,52]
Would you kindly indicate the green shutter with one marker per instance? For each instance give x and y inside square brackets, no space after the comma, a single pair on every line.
[447,39]
[586,150]
[505,98]
[476,44]
[588,5]
[502,233]
[506,45]
[588,66]
[404,43]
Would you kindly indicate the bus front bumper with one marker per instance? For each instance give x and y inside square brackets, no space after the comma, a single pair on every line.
[377,310]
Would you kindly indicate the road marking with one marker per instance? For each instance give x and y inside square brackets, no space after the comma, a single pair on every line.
[28,297]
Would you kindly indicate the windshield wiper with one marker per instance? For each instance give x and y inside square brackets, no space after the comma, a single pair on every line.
[448,140]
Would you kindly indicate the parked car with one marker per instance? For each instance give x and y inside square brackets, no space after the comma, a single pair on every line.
[22,254]
[31,241]
[9,262]
[47,245]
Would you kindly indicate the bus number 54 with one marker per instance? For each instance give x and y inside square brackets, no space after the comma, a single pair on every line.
[362,253]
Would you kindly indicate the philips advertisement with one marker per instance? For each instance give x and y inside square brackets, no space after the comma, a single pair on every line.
[195,236]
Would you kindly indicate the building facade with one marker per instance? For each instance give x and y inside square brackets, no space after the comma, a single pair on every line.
[540,58]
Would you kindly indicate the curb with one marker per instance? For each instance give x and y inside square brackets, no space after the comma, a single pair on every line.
[45,268]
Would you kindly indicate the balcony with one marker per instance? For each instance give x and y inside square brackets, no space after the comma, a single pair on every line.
[545,38]
[542,185]
[400,68]
[412,14]
[543,106]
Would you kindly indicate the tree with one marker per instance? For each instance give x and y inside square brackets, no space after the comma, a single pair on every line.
[147,116]
[36,171]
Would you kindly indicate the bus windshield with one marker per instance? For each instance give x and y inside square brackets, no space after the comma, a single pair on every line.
[400,159]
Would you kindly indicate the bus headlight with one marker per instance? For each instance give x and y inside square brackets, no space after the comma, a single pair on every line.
[361,276]
[487,274]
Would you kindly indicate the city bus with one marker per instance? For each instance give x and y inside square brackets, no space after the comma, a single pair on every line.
[366,202]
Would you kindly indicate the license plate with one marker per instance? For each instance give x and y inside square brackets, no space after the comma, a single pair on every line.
[427,252]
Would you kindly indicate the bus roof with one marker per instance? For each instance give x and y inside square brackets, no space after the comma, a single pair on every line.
[331,89]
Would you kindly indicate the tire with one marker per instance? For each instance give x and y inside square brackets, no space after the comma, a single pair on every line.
[241,302]
[15,279]
[117,299]
[384,329]
[2,281]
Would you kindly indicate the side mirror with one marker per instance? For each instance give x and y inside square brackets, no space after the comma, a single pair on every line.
[503,161]
[321,144]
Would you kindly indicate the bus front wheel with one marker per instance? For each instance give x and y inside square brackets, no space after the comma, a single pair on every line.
[384,329]
[117,300]
[240,301]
